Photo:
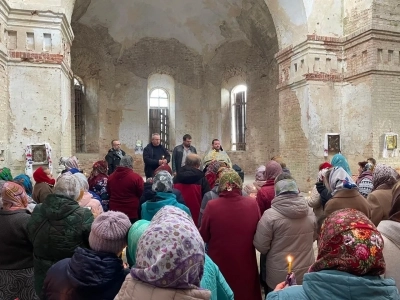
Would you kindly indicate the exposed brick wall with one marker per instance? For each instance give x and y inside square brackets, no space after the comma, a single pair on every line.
[48,58]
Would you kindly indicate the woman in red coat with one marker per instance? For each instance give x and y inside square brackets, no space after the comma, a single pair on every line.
[267,191]
[125,188]
[228,226]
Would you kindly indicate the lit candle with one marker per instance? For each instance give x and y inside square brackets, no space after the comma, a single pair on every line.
[289,259]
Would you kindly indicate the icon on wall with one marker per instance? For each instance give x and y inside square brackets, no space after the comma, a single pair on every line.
[139,147]
[391,142]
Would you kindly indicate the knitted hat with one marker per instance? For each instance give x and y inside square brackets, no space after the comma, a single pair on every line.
[109,232]
[68,185]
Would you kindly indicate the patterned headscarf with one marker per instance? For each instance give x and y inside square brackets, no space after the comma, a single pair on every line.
[5,174]
[14,196]
[24,181]
[170,253]
[338,160]
[286,186]
[162,182]
[213,167]
[260,173]
[339,179]
[350,242]
[272,170]
[99,172]
[229,180]
[134,235]
[383,174]
[72,163]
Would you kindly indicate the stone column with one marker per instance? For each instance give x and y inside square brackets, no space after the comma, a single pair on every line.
[37,55]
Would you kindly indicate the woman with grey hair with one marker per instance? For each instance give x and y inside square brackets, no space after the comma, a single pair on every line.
[125,187]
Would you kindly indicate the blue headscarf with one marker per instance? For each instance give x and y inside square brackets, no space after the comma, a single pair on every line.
[338,160]
[24,181]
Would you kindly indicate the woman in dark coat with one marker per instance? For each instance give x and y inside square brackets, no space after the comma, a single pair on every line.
[16,251]
[230,236]
[57,227]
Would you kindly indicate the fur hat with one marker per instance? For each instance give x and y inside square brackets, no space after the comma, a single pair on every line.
[109,232]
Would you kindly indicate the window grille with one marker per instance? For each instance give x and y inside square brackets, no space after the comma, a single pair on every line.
[79,116]
[158,115]
[239,118]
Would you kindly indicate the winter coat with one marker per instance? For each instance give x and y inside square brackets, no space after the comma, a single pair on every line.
[113,160]
[40,191]
[92,204]
[213,194]
[380,202]
[288,228]
[214,281]
[133,289]
[73,278]
[323,193]
[347,199]
[391,251]
[314,201]
[177,156]
[265,195]
[230,241]
[332,284]
[193,185]
[125,188]
[151,156]
[16,251]
[161,199]
[56,228]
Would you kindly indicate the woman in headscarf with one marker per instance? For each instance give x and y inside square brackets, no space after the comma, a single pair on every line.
[267,191]
[344,192]
[380,199]
[163,195]
[211,173]
[364,180]
[44,185]
[230,236]
[98,182]
[177,273]
[390,232]
[85,199]
[16,251]
[338,160]
[71,165]
[5,174]
[24,181]
[288,228]
[252,189]
[212,279]
[349,263]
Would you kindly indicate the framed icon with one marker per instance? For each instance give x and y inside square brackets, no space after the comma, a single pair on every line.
[334,143]
[391,142]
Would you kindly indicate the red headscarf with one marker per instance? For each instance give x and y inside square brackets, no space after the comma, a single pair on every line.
[40,176]
[163,167]
[99,171]
[325,165]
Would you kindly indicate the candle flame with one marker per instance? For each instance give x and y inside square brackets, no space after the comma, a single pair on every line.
[289,259]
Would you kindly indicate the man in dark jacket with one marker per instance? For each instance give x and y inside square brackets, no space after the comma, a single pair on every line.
[181,152]
[114,156]
[192,184]
[154,155]
[92,274]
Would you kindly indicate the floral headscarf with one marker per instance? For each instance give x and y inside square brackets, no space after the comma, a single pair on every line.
[99,167]
[162,182]
[383,174]
[286,186]
[13,196]
[213,167]
[5,174]
[272,170]
[170,253]
[350,242]
[338,160]
[72,163]
[24,181]
[339,179]
[229,180]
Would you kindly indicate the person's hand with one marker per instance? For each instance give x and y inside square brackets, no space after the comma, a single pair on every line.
[164,161]
[280,286]
[160,162]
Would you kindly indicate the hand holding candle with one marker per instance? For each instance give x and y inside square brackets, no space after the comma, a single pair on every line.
[289,259]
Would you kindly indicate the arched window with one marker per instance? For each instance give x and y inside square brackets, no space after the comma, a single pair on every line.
[79,89]
[158,115]
[239,97]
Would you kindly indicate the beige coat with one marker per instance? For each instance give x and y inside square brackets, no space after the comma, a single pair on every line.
[287,228]
[133,289]
[89,202]
[347,199]
[391,250]
[380,202]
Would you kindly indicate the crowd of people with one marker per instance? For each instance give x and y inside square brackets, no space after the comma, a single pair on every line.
[193,231]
